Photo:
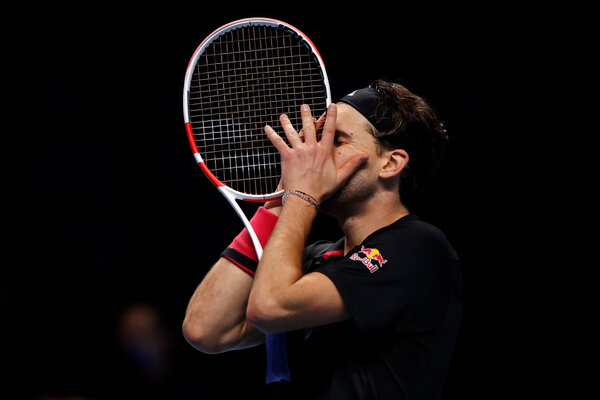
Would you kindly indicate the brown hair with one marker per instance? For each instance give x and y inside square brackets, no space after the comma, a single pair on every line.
[414,128]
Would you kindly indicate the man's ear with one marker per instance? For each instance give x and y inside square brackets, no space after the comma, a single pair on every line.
[395,161]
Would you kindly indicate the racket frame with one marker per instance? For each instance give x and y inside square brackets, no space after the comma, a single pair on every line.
[230,194]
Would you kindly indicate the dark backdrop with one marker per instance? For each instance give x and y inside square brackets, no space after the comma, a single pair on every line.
[117,211]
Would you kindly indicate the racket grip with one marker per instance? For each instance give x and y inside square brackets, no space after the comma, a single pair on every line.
[242,251]
[277,362]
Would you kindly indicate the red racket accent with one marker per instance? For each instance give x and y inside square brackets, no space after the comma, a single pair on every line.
[201,163]
[190,136]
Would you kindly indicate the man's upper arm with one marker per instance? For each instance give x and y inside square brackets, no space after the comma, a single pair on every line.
[215,316]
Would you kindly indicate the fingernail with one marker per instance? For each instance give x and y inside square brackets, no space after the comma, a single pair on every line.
[332,107]
[304,107]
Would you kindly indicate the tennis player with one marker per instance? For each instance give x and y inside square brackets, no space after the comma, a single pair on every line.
[374,315]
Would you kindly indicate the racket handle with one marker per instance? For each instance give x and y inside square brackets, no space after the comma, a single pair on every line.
[277,362]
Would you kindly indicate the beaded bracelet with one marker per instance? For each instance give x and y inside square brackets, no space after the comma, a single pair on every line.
[300,194]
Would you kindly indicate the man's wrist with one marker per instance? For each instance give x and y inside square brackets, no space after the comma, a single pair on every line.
[274,206]
[304,196]
[241,251]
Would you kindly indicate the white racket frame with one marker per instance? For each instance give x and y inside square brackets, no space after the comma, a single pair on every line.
[230,194]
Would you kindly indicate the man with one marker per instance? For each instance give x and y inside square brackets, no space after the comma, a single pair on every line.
[374,315]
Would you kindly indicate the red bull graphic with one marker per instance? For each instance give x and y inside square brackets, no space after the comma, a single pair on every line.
[370,258]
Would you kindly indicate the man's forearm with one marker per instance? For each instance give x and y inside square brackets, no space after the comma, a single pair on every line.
[215,318]
[281,263]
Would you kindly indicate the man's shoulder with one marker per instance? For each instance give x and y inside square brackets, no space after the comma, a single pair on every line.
[409,225]
[321,247]
[410,236]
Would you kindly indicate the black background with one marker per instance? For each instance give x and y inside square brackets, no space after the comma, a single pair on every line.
[118,212]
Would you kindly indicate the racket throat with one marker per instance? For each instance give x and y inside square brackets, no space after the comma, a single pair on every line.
[232,201]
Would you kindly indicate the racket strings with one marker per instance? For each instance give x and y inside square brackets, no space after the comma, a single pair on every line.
[244,80]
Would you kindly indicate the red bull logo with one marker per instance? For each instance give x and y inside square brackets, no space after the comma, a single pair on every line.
[370,258]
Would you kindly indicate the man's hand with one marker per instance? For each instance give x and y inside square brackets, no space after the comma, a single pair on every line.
[309,165]
[274,206]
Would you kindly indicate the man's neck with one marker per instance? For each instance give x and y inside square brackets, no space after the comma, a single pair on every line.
[378,212]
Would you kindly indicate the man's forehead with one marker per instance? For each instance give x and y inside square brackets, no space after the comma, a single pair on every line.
[349,119]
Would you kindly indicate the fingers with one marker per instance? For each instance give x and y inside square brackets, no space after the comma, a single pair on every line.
[329,126]
[289,130]
[311,128]
[319,124]
[308,125]
[350,167]
[277,140]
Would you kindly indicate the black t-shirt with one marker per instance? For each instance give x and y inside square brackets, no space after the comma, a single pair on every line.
[402,287]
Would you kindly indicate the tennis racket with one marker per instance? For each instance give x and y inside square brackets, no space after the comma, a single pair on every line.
[243,76]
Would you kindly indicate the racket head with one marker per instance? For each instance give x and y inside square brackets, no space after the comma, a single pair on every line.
[243,76]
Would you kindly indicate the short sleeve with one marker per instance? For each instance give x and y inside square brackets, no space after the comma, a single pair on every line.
[397,282]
